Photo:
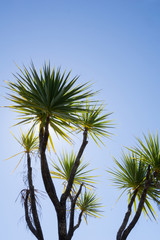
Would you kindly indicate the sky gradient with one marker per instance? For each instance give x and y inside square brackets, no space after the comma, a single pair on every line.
[115,45]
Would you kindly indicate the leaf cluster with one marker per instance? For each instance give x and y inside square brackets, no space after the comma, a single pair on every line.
[87,202]
[130,173]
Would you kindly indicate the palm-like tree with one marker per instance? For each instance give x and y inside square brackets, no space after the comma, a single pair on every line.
[138,177]
[130,176]
[51,99]
[48,98]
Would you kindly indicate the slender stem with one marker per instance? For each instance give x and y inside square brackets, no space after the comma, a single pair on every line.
[127,215]
[33,200]
[27,217]
[79,221]
[65,195]
[72,212]
[140,206]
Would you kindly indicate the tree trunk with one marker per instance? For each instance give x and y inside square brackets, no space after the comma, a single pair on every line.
[62,227]
[33,201]
[47,180]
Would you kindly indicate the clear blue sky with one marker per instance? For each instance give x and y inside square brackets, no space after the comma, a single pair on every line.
[116,45]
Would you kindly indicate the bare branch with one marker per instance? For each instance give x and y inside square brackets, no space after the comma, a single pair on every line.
[127,215]
[79,221]
[72,212]
[65,195]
